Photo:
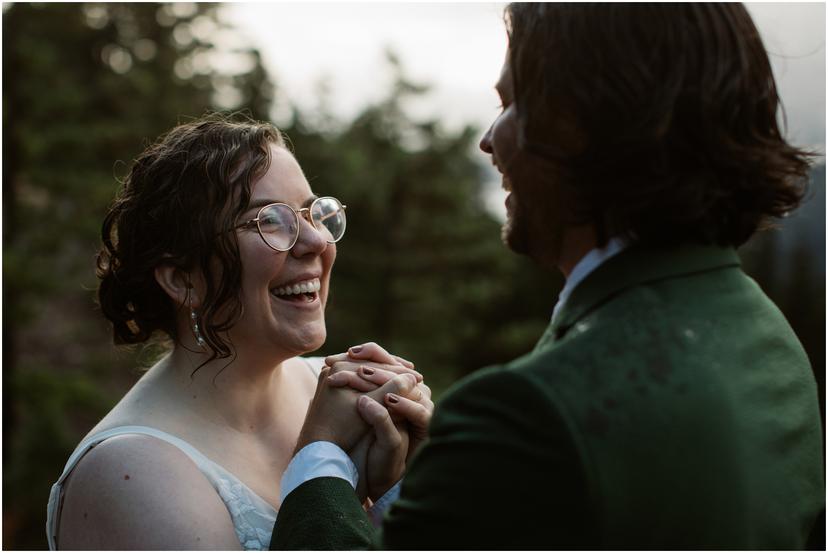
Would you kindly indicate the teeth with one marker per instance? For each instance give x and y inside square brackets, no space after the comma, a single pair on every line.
[306,287]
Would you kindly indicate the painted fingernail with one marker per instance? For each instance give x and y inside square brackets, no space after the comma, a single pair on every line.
[367,371]
[355,349]
[392,398]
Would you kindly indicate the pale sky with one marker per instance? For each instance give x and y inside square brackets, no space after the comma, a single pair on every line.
[458,49]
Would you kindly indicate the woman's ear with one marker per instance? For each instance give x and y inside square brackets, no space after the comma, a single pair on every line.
[178,285]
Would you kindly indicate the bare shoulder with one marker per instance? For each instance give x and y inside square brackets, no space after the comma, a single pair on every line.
[139,492]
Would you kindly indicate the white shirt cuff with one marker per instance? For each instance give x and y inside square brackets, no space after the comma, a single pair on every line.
[316,460]
[378,509]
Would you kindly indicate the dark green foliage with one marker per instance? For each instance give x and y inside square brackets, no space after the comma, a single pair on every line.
[421,269]
[86,87]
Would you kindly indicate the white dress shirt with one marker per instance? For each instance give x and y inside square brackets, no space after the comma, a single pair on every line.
[588,263]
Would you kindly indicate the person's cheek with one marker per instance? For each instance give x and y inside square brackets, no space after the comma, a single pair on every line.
[328,259]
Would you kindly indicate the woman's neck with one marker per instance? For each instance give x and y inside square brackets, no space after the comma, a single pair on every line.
[241,393]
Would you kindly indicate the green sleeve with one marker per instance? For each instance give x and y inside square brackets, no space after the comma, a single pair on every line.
[322,514]
[499,471]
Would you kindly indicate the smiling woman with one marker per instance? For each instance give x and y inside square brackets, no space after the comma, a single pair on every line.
[217,245]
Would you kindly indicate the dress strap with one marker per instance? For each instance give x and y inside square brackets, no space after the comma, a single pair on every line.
[207,467]
[194,454]
[315,364]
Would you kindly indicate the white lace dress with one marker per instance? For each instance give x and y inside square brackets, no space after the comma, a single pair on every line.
[253,517]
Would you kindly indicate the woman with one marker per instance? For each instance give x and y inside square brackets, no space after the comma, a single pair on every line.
[217,243]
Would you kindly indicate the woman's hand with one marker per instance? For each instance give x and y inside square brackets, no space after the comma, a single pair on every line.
[400,426]
[371,351]
[333,416]
[378,368]
[369,355]
[415,408]
[400,422]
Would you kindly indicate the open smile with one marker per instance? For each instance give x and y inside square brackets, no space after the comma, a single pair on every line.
[300,293]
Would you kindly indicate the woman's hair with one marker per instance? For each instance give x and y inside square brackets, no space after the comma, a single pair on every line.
[175,205]
[661,119]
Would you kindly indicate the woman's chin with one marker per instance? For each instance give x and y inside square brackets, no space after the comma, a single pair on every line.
[315,345]
[310,341]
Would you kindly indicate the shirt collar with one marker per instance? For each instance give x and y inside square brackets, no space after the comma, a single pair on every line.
[591,261]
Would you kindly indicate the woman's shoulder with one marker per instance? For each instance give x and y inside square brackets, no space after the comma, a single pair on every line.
[139,491]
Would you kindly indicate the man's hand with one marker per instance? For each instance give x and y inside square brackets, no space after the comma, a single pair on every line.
[386,456]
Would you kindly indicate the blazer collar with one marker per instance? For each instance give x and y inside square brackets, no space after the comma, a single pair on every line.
[633,266]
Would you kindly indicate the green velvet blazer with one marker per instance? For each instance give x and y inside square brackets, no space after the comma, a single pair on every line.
[668,406]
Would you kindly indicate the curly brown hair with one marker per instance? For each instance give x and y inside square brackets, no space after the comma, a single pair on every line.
[674,111]
[179,195]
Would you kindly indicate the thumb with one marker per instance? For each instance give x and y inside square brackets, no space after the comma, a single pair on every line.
[386,434]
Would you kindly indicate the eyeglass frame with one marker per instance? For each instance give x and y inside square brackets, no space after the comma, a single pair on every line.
[302,213]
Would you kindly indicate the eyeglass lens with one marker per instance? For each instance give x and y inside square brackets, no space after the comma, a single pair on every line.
[279,223]
[329,218]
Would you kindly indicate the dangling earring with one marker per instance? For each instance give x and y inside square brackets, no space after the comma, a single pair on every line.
[194,318]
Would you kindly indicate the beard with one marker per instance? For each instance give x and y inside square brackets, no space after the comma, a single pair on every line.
[515,232]
[534,228]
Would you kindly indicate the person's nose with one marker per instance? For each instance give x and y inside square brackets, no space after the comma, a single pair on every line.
[486,141]
[310,240]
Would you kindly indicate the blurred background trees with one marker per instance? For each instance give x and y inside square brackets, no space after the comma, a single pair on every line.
[421,269]
[86,85]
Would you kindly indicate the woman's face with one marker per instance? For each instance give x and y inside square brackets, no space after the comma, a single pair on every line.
[284,323]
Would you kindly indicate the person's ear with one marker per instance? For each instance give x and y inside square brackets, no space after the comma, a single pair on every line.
[178,285]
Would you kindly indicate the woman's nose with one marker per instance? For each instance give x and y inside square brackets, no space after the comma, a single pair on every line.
[310,240]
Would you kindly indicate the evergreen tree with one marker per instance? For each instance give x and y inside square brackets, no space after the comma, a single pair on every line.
[421,269]
[85,85]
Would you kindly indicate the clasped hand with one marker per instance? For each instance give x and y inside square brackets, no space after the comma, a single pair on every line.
[373,405]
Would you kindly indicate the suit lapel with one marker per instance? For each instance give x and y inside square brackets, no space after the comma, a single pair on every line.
[634,266]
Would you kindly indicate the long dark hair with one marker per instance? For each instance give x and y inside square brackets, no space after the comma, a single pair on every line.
[673,108]
[179,196]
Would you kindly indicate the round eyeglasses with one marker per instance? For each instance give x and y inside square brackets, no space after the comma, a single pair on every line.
[278,223]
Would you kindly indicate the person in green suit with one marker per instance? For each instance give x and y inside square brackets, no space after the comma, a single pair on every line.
[669,405]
